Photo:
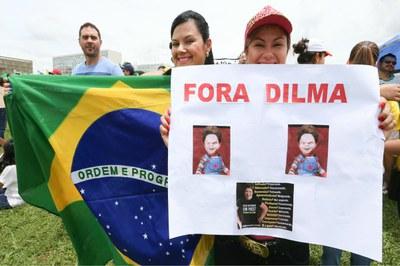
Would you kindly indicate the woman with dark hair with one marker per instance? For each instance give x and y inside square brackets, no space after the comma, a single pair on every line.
[9,197]
[190,40]
[8,155]
[190,45]
[310,51]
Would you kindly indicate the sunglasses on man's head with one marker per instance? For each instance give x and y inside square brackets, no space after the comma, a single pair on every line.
[389,62]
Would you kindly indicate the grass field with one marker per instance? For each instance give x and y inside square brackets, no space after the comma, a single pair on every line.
[31,236]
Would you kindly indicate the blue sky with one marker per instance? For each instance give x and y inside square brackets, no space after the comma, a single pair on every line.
[40,29]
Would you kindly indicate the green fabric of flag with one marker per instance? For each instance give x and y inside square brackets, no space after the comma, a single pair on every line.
[81,143]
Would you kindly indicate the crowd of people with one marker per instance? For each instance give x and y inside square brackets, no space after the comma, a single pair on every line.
[267,41]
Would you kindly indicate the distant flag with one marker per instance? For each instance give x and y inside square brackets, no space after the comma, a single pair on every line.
[88,149]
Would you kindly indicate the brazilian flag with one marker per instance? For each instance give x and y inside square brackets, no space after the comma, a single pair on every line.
[88,149]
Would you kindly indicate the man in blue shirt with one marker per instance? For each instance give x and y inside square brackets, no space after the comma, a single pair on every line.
[386,66]
[95,64]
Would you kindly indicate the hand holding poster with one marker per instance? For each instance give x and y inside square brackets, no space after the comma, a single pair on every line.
[287,151]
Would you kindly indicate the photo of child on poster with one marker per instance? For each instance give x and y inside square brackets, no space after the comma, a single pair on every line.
[211,150]
[267,205]
[307,153]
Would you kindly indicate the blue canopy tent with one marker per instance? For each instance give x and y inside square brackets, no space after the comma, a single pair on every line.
[392,46]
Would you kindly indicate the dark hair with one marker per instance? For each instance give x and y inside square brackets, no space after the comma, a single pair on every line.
[91,25]
[307,129]
[9,154]
[128,66]
[387,55]
[212,130]
[364,53]
[246,186]
[301,48]
[201,25]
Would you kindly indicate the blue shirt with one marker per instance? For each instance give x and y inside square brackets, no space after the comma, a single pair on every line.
[103,68]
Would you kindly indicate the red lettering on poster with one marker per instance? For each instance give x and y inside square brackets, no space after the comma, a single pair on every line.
[319,95]
[338,94]
[222,92]
[314,93]
[188,90]
[224,89]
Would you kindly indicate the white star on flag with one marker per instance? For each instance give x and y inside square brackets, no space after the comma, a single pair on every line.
[82,191]
[145,236]
[153,166]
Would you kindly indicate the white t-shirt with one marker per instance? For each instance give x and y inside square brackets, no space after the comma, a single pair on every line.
[2,105]
[9,179]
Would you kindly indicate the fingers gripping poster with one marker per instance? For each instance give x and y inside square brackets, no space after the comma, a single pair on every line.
[291,151]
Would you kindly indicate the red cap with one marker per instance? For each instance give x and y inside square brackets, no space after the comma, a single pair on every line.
[268,16]
[56,71]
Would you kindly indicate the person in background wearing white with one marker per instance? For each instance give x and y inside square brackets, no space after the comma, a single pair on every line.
[9,196]
[310,51]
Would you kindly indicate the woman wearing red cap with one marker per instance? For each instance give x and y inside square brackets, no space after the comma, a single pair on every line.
[267,41]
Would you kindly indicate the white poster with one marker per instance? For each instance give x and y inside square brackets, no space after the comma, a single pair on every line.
[291,151]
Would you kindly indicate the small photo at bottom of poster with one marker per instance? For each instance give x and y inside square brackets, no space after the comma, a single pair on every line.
[266,205]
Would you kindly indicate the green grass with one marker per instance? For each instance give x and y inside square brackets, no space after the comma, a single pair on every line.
[391,233]
[31,236]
